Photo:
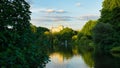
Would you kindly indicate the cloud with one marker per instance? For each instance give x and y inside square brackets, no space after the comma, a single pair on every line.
[53,11]
[61,11]
[78,4]
[61,18]
[49,15]
[49,10]
[57,16]
[53,18]
[88,17]
[44,10]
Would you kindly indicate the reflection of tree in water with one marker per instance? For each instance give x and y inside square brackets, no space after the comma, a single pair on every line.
[71,50]
[59,57]
[87,56]
[66,52]
[91,60]
[100,60]
[107,61]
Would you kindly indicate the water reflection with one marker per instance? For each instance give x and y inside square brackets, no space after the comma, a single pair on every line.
[60,61]
[88,59]
[106,61]
[67,57]
[78,57]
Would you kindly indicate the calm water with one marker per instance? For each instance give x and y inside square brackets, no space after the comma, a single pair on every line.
[76,57]
[59,61]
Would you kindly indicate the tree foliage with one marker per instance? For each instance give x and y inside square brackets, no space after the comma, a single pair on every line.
[110,13]
[66,34]
[17,35]
[87,29]
[84,38]
[110,4]
[102,31]
[105,33]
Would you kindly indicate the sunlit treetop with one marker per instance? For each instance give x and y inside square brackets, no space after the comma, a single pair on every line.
[111,4]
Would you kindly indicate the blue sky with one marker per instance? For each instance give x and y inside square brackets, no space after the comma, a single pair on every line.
[69,13]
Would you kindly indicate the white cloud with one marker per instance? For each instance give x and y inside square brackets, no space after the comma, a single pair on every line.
[49,10]
[52,18]
[78,4]
[44,10]
[61,11]
[88,17]
[53,11]
[48,15]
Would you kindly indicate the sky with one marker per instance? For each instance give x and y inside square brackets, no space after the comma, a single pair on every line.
[69,13]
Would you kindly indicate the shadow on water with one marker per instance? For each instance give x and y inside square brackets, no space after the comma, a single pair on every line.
[106,61]
[74,56]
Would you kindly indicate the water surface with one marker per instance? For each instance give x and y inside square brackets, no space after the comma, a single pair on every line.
[76,57]
[59,61]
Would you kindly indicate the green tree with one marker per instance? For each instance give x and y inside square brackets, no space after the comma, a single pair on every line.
[111,4]
[102,31]
[105,33]
[87,29]
[66,34]
[85,35]
[110,13]
[16,34]
[14,20]
[103,37]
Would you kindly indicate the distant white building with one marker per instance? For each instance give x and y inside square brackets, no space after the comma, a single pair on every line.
[57,29]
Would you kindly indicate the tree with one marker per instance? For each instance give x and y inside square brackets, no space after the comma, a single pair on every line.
[16,49]
[14,32]
[105,33]
[14,20]
[103,37]
[110,4]
[66,34]
[102,31]
[85,35]
[87,29]
[110,13]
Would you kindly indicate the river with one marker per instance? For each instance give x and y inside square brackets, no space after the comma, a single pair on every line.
[76,57]
[59,61]
[69,57]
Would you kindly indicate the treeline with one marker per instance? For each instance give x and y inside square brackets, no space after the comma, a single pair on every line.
[63,37]
[103,35]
